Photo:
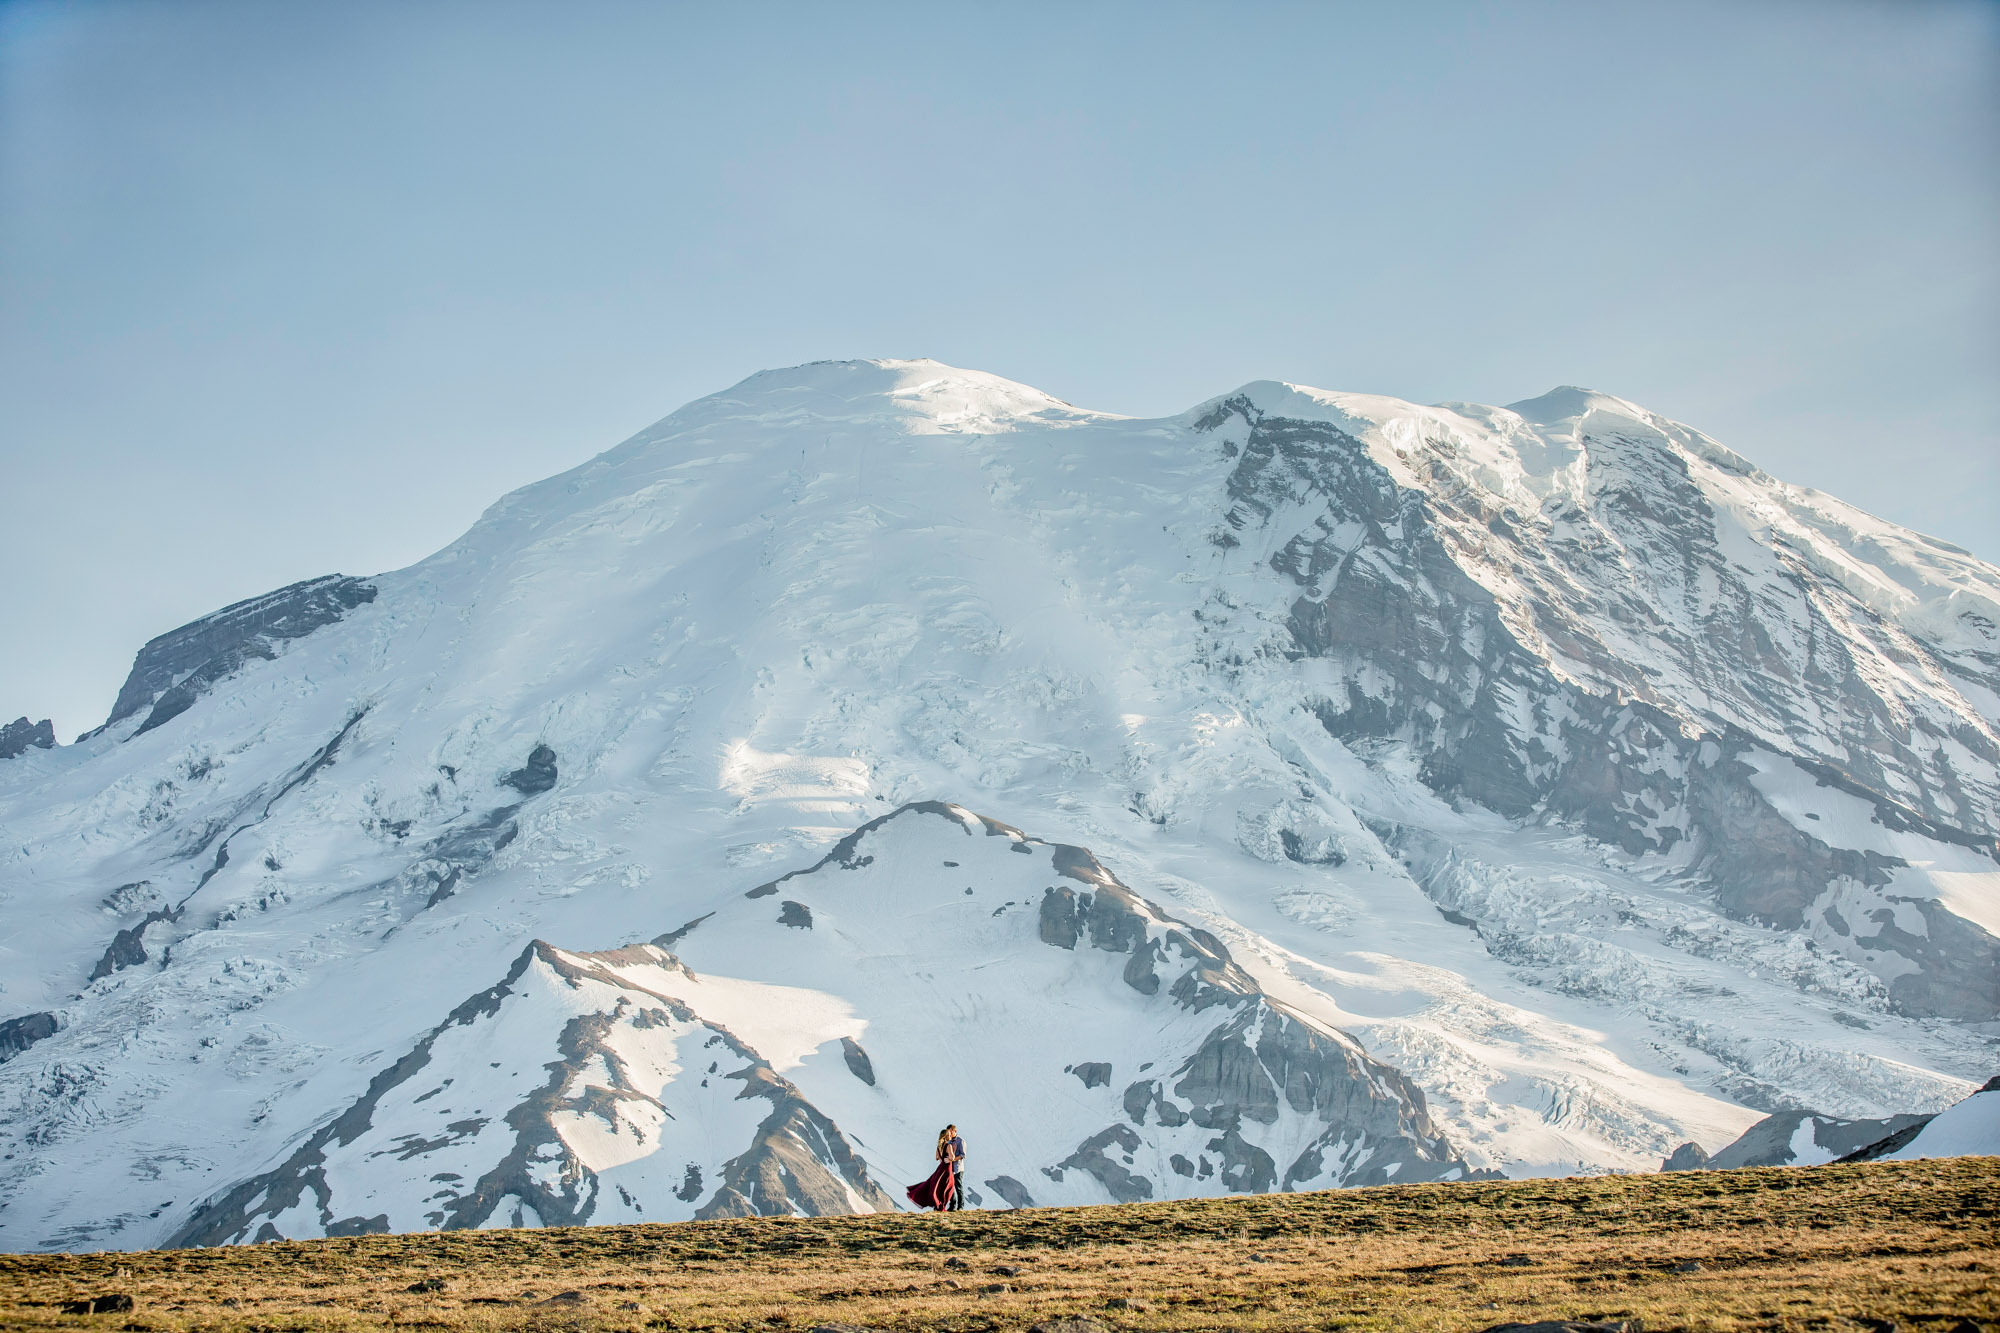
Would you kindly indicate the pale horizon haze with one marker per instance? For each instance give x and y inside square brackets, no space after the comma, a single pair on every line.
[291,289]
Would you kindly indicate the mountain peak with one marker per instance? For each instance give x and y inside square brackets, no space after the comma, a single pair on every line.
[1563,411]
[918,396]
[1567,402]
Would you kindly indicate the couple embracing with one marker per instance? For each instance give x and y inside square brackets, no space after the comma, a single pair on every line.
[946,1187]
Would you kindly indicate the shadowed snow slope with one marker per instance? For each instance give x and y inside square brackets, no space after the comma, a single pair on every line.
[1551,760]
[1970,1128]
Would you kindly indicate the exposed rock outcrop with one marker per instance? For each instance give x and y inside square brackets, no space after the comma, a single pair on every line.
[537,775]
[116,1303]
[857,1061]
[18,1034]
[176,668]
[458,854]
[21,735]
[1687,1157]
[1096,1156]
[128,946]
[799,1161]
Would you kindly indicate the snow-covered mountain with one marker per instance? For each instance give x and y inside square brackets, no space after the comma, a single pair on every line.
[1310,789]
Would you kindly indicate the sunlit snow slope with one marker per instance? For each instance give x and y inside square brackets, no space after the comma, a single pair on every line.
[1310,789]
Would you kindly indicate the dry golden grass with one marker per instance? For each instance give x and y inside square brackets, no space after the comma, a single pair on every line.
[1826,1248]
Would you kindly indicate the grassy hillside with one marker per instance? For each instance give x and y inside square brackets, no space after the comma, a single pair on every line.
[1832,1247]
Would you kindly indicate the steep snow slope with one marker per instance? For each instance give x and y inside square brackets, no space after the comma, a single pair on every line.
[1610,791]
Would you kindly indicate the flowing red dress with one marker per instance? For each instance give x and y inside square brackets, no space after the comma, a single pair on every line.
[934,1193]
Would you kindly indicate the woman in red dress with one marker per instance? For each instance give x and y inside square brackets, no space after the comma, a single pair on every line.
[936,1193]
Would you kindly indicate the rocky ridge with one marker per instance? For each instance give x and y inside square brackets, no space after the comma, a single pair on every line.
[652,1109]
[176,668]
[17,736]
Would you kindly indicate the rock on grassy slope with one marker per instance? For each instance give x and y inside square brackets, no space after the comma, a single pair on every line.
[1607,790]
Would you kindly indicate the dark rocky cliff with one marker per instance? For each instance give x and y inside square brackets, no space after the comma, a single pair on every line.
[18,736]
[176,668]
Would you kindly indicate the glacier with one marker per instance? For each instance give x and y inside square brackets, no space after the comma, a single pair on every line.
[1311,789]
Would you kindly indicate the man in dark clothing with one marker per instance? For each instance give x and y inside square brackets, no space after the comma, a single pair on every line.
[954,1149]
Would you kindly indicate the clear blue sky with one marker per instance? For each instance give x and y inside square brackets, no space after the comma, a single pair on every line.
[294,288]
